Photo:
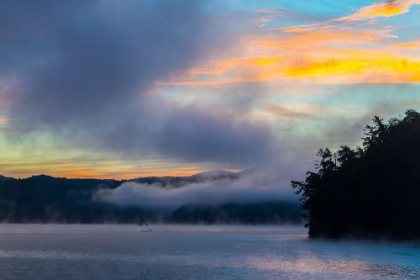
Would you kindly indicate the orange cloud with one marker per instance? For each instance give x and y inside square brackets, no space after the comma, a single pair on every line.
[315,53]
[303,28]
[395,70]
[70,169]
[126,173]
[305,40]
[225,71]
[307,61]
[334,66]
[5,120]
[408,45]
[297,29]
[381,9]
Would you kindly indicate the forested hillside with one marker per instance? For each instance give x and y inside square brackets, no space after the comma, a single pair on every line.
[45,199]
[369,191]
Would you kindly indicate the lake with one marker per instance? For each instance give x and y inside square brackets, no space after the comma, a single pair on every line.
[195,252]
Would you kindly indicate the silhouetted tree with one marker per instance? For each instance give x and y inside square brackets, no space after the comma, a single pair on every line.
[371,191]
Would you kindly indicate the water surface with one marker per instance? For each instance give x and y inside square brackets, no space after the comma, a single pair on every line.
[195,252]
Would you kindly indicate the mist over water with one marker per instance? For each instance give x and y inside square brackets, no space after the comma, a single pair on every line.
[195,252]
[257,186]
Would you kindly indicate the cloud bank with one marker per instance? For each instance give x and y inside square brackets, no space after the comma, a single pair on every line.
[261,185]
[194,85]
[85,73]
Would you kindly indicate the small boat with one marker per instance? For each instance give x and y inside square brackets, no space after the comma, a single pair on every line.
[147,230]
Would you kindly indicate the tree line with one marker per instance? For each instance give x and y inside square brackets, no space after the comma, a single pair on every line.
[45,199]
[369,191]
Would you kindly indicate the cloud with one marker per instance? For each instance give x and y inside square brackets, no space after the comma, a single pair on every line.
[102,55]
[381,9]
[271,11]
[100,76]
[415,103]
[380,70]
[315,53]
[84,74]
[287,113]
[408,45]
[195,134]
[298,29]
[330,51]
[260,185]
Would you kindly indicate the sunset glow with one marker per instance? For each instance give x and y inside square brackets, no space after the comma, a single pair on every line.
[177,89]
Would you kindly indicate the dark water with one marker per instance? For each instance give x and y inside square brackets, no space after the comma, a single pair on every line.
[195,252]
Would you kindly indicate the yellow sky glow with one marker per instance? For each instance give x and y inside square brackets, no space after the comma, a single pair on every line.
[330,55]
[98,170]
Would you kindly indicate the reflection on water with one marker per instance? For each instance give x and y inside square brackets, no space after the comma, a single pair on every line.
[340,267]
[195,252]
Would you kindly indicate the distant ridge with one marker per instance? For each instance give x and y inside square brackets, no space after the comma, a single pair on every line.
[216,175]
[179,181]
[206,174]
[46,199]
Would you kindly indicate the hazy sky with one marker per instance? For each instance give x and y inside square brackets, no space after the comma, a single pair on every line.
[122,89]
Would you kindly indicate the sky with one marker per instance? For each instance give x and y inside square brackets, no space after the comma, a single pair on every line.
[125,89]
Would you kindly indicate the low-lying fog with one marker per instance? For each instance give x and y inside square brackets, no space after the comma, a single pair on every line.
[260,185]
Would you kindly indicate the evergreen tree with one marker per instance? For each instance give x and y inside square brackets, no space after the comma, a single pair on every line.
[370,191]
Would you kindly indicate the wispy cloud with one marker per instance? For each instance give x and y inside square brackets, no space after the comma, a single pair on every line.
[376,70]
[323,56]
[330,51]
[381,9]
[286,113]
[415,103]
[300,28]
[271,11]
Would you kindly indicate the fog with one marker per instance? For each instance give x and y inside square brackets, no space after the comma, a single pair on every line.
[260,185]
